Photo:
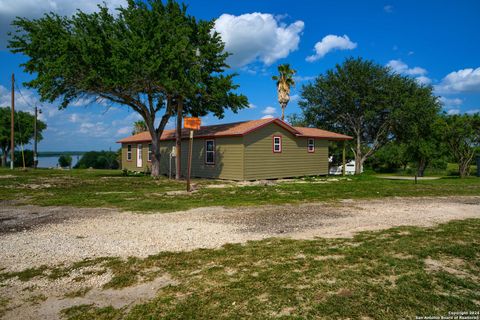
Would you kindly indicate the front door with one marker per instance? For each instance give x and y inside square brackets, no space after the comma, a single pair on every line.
[139,156]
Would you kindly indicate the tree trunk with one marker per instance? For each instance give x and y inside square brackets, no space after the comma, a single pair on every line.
[422,165]
[178,139]
[463,169]
[283,112]
[4,158]
[155,155]
[358,156]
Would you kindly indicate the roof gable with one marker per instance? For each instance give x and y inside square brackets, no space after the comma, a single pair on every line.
[237,129]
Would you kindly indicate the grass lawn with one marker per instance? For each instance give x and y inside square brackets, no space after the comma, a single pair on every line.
[394,274]
[108,188]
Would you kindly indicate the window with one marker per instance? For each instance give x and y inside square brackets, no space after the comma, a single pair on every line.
[210,151]
[139,152]
[149,152]
[311,145]
[277,144]
[129,152]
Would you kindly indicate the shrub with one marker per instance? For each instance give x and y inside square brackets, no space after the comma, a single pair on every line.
[98,160]
[65,160]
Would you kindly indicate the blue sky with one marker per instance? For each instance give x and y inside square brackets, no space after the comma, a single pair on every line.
[436,42]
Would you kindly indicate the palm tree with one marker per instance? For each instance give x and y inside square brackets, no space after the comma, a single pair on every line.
[139,126]
[284,82]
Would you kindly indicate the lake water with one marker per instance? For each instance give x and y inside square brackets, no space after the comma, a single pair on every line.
[50,162]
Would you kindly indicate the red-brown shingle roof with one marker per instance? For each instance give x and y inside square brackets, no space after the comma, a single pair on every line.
[239,129]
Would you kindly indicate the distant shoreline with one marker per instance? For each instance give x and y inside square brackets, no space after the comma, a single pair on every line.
[43,154]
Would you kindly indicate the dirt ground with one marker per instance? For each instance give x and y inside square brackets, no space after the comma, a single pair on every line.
[32,236]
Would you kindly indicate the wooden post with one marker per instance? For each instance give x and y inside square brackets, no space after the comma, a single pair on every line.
[343,159]
[189,168]
[12,128]
[178,140]
[35,138]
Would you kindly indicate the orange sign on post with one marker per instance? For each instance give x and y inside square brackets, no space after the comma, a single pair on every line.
[192,123]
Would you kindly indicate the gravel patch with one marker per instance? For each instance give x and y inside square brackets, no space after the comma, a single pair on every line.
[53,235]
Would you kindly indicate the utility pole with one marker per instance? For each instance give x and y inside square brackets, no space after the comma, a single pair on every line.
[35,156]
[12,136]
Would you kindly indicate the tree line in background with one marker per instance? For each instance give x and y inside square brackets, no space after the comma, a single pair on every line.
[394,120]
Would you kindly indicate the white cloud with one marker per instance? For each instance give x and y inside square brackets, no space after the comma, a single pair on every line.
[401,67]
[124,131]
[453,111]
[257,36]
[451,102]
[388,8]
[465,80]
[252,106]
[34,9]
[329,43]
[410,53]
[473,111]
[269,110]
[268,116]
[423,80]
[294,97]
[303,78]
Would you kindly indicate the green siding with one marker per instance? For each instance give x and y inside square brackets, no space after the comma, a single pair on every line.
[294,160]
[228,150]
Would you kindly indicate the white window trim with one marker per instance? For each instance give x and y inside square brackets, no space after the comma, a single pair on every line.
[313,145]
[206,152]
[279,144]
[149,157]
[129,152]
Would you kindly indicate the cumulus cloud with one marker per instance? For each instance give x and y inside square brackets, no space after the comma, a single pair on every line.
[451,102]
[473,111]
[257,37]
[269,110]
[401,67]
[465,80]
[34,9]
[453,111]
[268,116]
[329,43]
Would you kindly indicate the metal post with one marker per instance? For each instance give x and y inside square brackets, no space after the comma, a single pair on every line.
[189,168]
[178,140]
[35,156]
[12,128]
[343,159]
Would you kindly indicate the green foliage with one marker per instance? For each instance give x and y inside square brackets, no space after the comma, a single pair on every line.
[461,134]
[98,160]
[27,154]
[367,101]
[65,160]
[139,126]
[24,130]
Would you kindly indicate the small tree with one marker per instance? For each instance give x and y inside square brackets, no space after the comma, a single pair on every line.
[284,83]
[461,134]
[24,130]
[65,160]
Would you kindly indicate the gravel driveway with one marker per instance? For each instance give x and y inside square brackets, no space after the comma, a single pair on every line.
[32,236]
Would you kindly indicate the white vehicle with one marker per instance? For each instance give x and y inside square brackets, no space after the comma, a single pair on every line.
[349,168]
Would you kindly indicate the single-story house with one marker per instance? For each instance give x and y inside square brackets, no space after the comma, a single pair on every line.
[249,150]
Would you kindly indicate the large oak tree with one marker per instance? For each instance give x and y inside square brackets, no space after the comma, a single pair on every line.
[365,100]
[150,56]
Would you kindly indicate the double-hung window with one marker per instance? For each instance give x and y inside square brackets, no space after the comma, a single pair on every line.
[311,145]
[277,144]
[129,152]
[149,152]
[209,151]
